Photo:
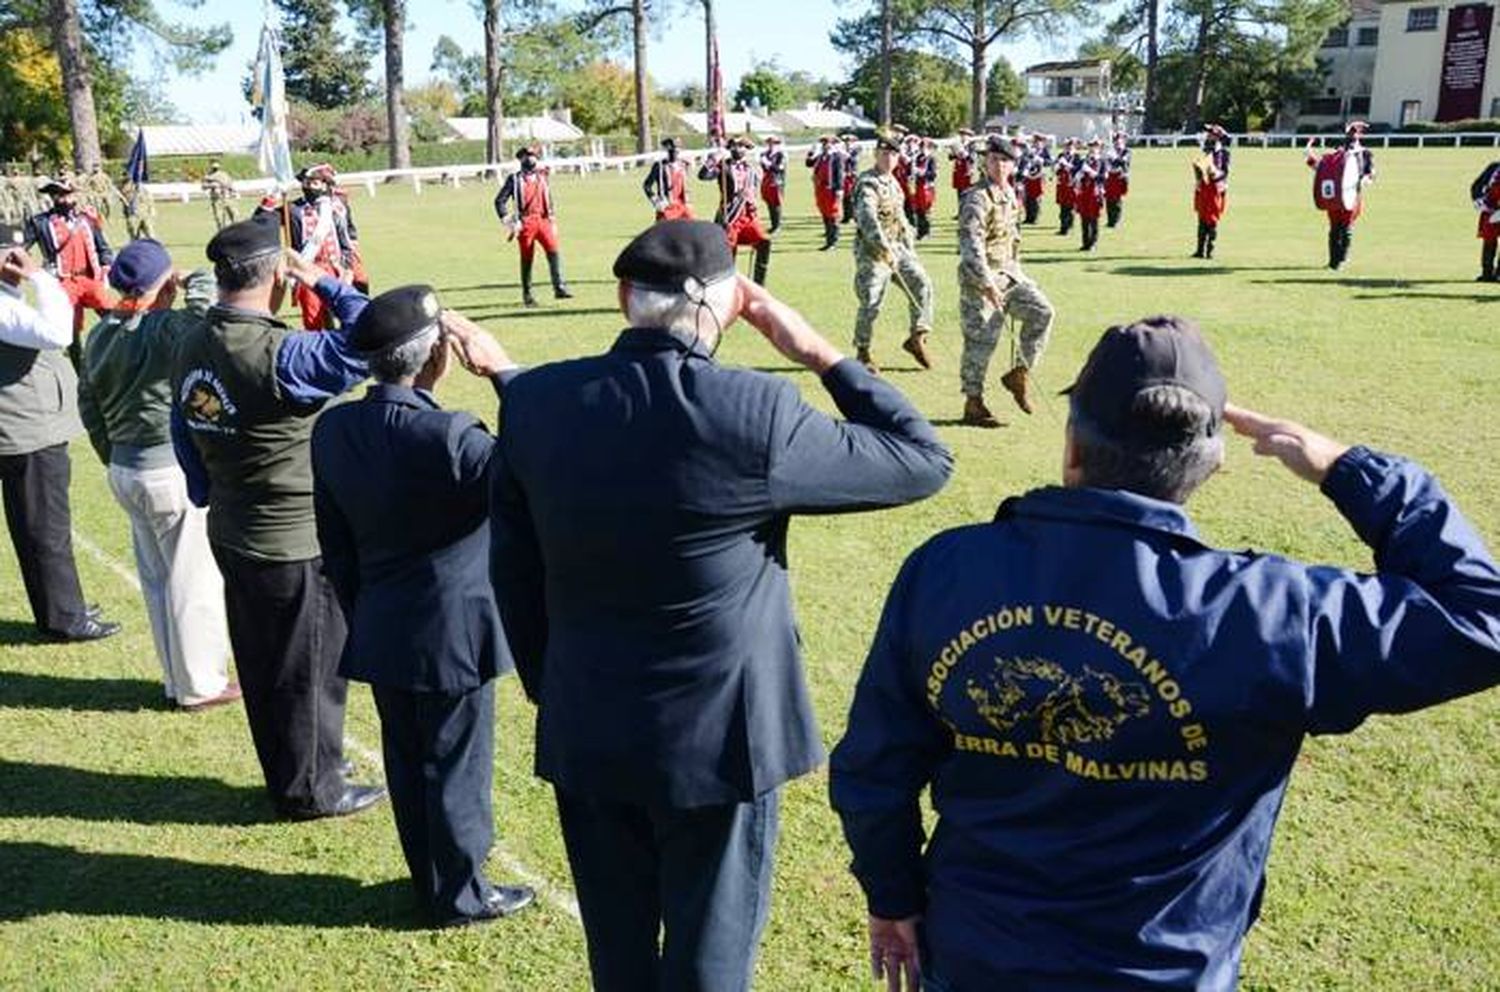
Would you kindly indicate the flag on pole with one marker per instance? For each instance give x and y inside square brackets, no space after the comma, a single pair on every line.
[716,97]
[268,96]
[137,168]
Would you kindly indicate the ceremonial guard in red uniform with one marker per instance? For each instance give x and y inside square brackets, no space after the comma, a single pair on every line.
[827,164]
[962,157]
[851,173]
[1211,192]
[1485,191]
[1062,167]
[358,274]
[534,221]
[74,250]
[1031,173]
[738,180]
[1339,179]
[911,144]
[773,179]
[322,232]
[1088,192]
[1116,178]
[924,177]
[666,185]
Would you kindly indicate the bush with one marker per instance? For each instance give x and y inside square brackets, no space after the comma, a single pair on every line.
[1484,125]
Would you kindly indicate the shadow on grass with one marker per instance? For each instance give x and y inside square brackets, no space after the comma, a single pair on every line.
[542,312]
[1460,297]
[20,632]
[1361,282]
[26,691]
[1190,268]
[516,286]
[41,879]
[958,422]
[38,790]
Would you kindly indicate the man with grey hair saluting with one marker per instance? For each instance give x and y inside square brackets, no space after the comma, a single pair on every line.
[1108,710]
[401,494]
[641,503]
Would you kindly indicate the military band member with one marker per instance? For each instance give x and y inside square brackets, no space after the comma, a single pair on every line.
[992,287]
[1328,171]
[924,186]
[1116,178]
[1063,167]
[533,222]
[738,181]
[1211,190]
[666,184]
[827,164]
[1485,191]
[219,185]
[773,179]
[885,249]
[1088,192]
[851,174]
[321,233]
[962,157]
[75,250]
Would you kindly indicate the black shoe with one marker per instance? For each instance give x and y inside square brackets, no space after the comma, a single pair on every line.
[528,300]
[354,799]
[87,629]
[503,901]
[562,293]
[93,611]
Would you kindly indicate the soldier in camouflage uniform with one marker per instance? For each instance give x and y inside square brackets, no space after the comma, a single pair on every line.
[28,201]
[10,199]
[140,211]
[885,247]
[219,185]
[992,286]
[100,192]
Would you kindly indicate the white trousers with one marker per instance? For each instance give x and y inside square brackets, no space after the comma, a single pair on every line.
[180,582]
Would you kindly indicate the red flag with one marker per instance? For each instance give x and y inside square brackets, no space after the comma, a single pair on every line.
[716,97]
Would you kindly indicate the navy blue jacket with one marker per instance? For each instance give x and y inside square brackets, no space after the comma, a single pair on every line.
[401,492]
[1107,711]
[641,502]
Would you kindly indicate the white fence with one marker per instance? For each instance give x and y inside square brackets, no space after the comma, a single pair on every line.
[1392,139]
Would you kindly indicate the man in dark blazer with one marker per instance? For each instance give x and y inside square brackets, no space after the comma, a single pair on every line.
[641,500]
[401,500]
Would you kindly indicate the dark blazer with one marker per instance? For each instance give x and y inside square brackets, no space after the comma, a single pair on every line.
[400,495]
[641,501]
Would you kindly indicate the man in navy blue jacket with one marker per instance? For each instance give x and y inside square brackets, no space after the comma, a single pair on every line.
[642,499]
[401,495]
[1107,710]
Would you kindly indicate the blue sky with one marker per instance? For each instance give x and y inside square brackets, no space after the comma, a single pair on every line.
[795,32]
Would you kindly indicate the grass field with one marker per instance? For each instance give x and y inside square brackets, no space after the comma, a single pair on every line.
[137,850]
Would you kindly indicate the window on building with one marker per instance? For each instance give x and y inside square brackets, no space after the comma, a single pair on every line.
[1337,38]
[1494,107]
[1368,37]
[1411,111]
[1422,19]
[1063,86]
[1323,106]
[1359,106]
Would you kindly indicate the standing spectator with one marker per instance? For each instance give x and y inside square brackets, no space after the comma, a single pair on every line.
[641,500]
[74,249]
[124,395]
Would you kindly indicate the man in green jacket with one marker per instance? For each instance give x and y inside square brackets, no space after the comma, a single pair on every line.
[125,399]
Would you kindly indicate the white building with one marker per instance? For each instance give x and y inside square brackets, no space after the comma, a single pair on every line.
[735,122]
[1069,99]
[1436,62]
[548,129]
[824,120]
[198,139]
[1348,57]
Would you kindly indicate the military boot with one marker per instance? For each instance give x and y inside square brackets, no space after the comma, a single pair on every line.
[862,355]
[1209,237]
[976,414]
[559,287]
[775,211]
[916,347]
[1487,261]
[830,234]
[1114,207]
[1017,382]
[1202,240]
[526,297]
[762,262]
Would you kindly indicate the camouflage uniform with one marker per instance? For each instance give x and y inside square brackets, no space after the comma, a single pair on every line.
[140,211]
[100,193]
[885,243]
[989,242]
[10,201]
[220,188]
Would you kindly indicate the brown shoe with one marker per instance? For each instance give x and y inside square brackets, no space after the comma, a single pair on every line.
[863,357]
[1018,382]
[916,347]
[976,414]
[230,694]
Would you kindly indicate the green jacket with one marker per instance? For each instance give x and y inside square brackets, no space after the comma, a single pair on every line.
[124,387]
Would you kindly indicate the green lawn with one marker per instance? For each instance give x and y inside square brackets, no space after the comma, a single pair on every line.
[136,849]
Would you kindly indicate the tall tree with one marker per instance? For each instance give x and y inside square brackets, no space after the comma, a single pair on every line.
[387,19]
[875,38]
[638,11]
[929,95]
[494,132]
[323,67]
[78,83]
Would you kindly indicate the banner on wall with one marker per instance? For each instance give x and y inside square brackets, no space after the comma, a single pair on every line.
[1465,52]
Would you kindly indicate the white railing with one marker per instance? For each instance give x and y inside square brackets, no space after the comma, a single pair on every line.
[1390,139]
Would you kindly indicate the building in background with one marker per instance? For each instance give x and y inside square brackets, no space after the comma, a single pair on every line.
[1071,99]
[1348,56]
[1435,62]
[824,120]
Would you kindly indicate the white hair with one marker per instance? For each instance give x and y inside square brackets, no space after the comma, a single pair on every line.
[405,359]
[685,311]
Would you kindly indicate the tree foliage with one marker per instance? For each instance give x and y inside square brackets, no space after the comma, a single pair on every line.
[930,94]
[542,50]
[1005,89]
[602,97]
[324,68]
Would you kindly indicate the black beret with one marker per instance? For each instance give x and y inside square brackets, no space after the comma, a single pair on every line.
[666,255]
[999,144]
[394,318]
[258,236]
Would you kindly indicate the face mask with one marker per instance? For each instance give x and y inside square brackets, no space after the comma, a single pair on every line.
[528,164]
[737,153]
[671,154]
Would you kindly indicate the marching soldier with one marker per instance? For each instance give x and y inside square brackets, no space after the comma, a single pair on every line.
[1211,189]
[1116,178]
[666,185]
[1032,168]
[1485,191]
[924,186]
[99,192]
[534,221]
[962,157]
[219,185]
[13,206]
[322,233]
[827,163]
[75,250]
[1088,192]
[885,248]
[739,181]
[1063,166]
[773,179]
[992,287]
[851,174]
[140,210]
[1328,175]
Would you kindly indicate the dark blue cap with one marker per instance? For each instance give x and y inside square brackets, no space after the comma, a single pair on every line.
[138,266]
[253,238]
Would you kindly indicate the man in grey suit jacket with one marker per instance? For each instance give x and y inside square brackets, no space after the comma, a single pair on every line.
[641,501]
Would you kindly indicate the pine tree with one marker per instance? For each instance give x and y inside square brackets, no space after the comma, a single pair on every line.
[323,67]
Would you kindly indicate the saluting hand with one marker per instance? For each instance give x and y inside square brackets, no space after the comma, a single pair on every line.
[476,348]
[17,264]
[1307,453]
[786,329]
[894,954]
